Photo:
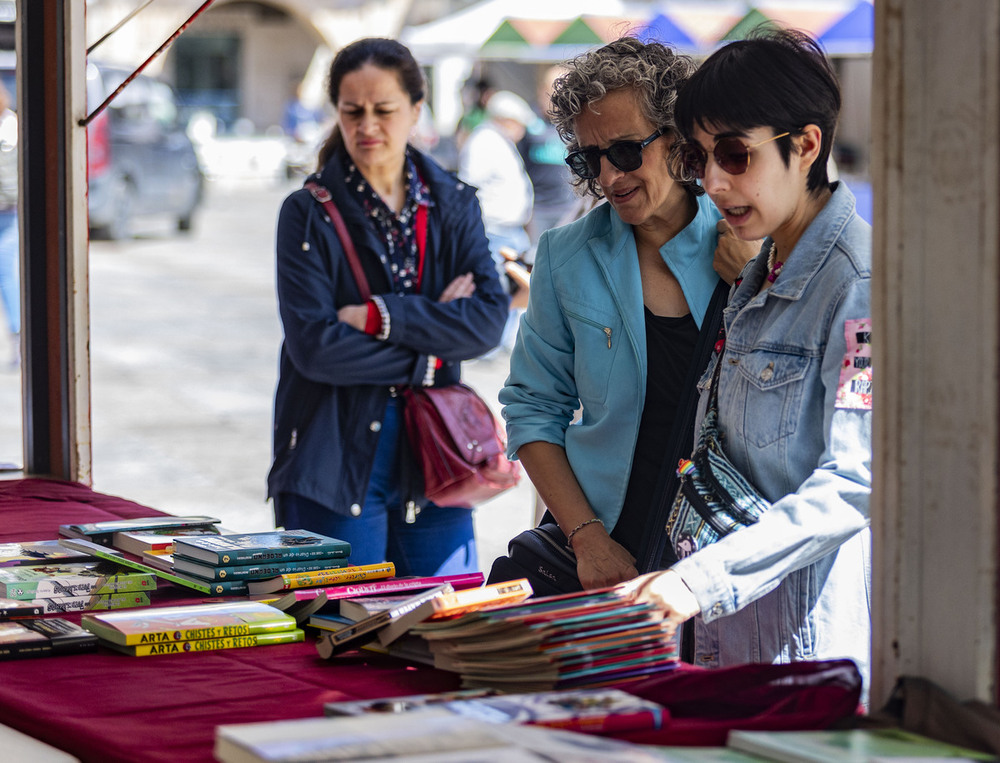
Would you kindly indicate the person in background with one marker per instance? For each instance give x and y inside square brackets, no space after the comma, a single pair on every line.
[475,94]
[757,121]
[544,156]
[10,281]
[615,308]
[342,465]
[490,161]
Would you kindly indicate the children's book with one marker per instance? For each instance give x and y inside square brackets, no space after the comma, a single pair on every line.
[395,622]
[191,622]
[43,637]
[98,602]
[247,548]
[431,736]
[39,552]
[595,711]
[211,644]
[78,579]
[293,580]
[136,542]
[847,746]
[103,532]
[254,570]
[386,587]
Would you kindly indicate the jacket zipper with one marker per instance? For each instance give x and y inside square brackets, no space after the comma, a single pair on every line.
[595,324]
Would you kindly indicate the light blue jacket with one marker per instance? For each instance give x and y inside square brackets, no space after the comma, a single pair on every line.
[582,344]
[796,585]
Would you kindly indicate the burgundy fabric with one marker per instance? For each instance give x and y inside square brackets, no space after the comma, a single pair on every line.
[705,705]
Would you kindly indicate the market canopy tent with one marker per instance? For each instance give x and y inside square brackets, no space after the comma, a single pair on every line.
[853,34]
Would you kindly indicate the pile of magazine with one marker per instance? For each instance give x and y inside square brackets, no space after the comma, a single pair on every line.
[572,640]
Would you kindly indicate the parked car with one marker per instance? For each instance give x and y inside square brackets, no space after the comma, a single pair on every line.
[140,161]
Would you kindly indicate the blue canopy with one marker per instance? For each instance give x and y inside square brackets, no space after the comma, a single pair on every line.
[853,34]
[661,28]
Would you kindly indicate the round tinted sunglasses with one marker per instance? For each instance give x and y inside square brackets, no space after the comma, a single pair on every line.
[731,154]
[626,155]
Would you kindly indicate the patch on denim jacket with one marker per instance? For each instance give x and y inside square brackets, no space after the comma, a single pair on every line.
[855,389]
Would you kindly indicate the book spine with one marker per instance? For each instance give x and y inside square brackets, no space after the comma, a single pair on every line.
[642,720]
[460,602]
[227,588]
[396,585]
[23,609]
[93,603]
[208,645]
[251,555]
[72,585]
[255,571]
[347,575]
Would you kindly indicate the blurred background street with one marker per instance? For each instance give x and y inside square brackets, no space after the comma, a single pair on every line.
[184,347]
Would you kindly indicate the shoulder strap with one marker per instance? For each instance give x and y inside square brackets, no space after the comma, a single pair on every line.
[322,195]
[679,444]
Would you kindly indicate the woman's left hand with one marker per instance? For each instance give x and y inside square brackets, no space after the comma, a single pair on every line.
[667,591]
[732,253]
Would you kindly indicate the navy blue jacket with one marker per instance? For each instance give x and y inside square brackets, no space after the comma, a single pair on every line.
[334,381]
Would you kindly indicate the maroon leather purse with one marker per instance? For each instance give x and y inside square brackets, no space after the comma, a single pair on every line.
[456,439]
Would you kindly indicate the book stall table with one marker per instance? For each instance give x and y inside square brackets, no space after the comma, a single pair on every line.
[109,707]
[113,708]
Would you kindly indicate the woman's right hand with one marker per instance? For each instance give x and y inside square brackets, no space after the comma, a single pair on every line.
[601,561]
[462,286]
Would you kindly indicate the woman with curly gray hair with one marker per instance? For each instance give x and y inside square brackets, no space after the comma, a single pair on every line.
[618,303]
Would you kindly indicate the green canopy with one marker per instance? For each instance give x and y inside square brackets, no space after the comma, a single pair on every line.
[747,24]
[578,33]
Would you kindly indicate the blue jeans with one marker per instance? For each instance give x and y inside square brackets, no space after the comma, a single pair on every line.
[440,542]
[10,282]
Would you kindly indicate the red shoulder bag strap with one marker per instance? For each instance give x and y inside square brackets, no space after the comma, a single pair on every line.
[322,195]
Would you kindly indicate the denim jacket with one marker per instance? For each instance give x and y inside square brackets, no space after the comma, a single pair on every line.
[796,585]
[582,344]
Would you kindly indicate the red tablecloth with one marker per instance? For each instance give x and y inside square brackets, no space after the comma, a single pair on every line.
[107,707]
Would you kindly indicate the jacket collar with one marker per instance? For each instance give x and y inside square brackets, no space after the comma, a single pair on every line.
[808,256]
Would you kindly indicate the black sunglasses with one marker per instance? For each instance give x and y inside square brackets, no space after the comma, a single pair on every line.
[626,155]
[731,154]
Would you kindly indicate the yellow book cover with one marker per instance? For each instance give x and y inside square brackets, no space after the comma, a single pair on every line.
[208,645]
[293,580]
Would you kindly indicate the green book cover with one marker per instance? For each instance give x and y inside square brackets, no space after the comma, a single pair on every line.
[58,580]
[193,622]
[254,571]
[247,548]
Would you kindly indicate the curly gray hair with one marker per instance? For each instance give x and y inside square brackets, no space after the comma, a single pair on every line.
[652,69]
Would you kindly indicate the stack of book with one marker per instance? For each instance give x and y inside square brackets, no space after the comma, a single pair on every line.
[227,563]
[193,628]
[43,637]
[69,583]
[554,642]
[104,532]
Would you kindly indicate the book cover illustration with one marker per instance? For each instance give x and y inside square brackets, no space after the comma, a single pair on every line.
[208,645]
[98,602]
[587,710]
[43,637]
[347,574]
[38,552]
[71,579]
[244,548]
[254,570]
[188,623]
[103,532]
[847,746]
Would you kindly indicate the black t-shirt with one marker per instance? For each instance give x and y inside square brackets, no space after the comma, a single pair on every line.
[670,344]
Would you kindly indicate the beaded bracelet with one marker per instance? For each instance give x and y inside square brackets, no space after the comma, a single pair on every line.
[575,530]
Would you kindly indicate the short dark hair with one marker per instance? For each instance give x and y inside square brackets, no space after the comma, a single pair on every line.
[778,78]
[383,53]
